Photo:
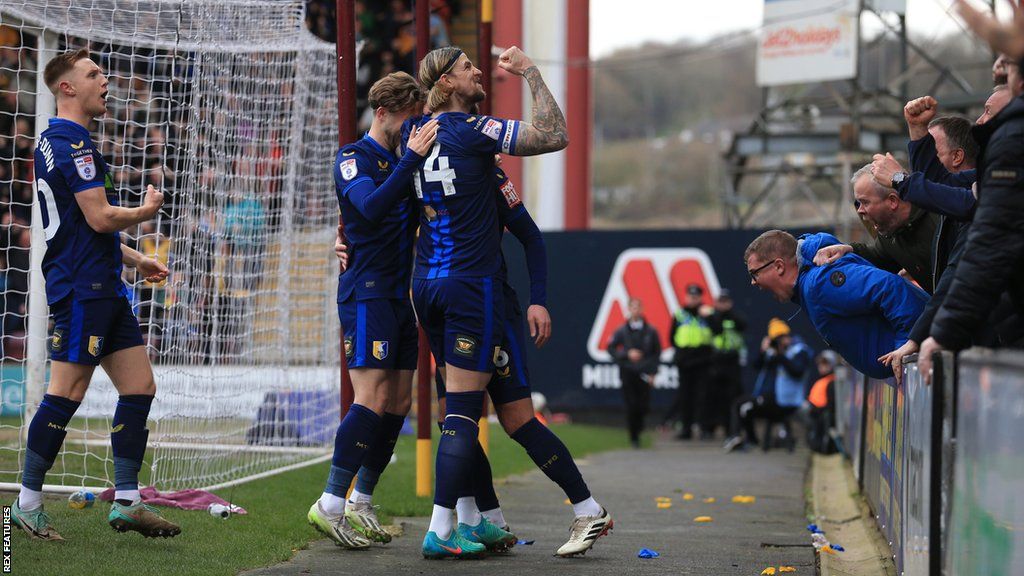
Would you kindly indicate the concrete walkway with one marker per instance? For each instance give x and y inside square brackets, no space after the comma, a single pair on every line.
[741,539]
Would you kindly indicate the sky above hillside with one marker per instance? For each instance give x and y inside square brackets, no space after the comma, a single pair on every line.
[612,27]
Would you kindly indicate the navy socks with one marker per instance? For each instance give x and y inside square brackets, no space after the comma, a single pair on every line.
[456,452]
[351,443]
[553,458]
[46,433]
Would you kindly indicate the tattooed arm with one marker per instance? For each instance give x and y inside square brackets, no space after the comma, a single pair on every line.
[547,132]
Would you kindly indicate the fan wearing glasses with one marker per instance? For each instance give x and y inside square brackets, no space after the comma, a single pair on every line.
[861,311]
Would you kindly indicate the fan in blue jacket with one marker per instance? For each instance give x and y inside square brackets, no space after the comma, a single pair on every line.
[860,311]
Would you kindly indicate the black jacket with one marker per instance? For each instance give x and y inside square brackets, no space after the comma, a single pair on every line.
[645,339]
[993,258]
[908,248]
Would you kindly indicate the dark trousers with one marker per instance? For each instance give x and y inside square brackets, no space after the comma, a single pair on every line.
[691,397]
[749,409]
[819,420]
[637,395]
[726,387]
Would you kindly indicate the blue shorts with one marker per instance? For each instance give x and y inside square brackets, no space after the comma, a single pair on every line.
[462,318]
[85,331]
[379,333]
[511,379]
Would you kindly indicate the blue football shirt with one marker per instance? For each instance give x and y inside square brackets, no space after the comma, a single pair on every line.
[380,254]
[459,229]
[78,259]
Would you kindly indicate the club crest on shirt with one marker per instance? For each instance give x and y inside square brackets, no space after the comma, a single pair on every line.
[95,345]
[492,129]
[57,340]
[380,349]
[837,278]
[465,345]
[348,169]
[86,167]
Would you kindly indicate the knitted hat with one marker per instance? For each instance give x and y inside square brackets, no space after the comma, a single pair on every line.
[777,327]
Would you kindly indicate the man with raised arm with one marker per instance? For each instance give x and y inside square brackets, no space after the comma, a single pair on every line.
[458,277]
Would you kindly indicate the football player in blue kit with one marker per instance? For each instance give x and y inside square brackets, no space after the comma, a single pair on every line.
[93,323]
[510,392]
[457,277]
[379,326]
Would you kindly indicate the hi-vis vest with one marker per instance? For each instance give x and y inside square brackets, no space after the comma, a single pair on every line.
[691,332]
[730,339]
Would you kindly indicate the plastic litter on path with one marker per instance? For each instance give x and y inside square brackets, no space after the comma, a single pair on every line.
[647,553]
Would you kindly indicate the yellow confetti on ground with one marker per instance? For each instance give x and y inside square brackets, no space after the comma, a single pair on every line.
[662,499]
[567,501]
[769,571]
[702,519]
[709,500]
[828,549]
[786,569]
[687,496]
[741,499]
[664,505]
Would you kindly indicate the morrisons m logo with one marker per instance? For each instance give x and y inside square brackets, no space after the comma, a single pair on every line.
[658,277]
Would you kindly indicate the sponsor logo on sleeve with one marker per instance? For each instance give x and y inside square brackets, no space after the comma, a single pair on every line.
[492,129]
[86,167]
[79,145]
[348,169]
[508,190]
[506,142]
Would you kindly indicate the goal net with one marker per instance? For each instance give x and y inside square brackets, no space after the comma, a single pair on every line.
[229,106]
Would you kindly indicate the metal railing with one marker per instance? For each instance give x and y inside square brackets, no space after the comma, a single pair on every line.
[942,465]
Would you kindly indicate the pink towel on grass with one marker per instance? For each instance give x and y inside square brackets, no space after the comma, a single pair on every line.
[184,499]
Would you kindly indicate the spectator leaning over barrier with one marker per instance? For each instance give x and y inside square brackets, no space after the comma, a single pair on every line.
[993,258]
[862,312]
[941,182]
[905,232]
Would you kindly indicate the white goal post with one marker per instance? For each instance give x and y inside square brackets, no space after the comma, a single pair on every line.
[230,107]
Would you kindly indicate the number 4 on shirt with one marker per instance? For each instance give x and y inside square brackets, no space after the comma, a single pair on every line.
[436,169]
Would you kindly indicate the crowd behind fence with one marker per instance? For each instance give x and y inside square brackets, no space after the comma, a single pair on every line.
[940,465]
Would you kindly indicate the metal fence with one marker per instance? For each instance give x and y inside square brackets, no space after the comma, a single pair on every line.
[941,466]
